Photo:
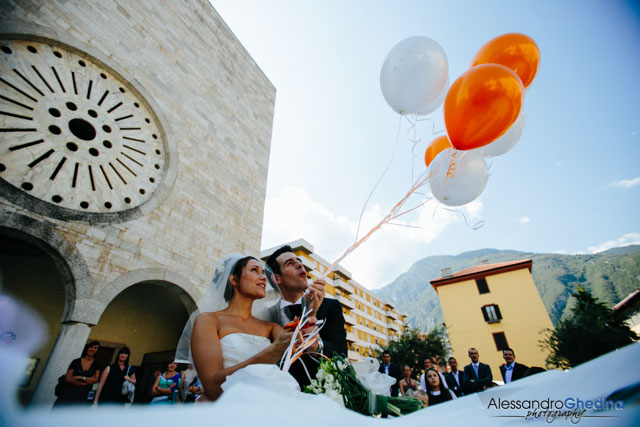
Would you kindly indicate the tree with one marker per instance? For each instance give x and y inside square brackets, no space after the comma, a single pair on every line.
[412,347]
[591,331]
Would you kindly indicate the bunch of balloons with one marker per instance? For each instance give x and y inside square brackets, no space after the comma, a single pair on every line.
[483,111]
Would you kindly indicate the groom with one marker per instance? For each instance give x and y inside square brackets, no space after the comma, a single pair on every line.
[291,277]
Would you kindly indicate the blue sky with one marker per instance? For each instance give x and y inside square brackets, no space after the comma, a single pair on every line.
[570,185]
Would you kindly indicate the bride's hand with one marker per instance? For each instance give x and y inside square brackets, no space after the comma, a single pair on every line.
[278,347]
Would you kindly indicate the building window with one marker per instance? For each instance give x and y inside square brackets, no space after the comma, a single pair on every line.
[500,340]
[483,288]
[491,313]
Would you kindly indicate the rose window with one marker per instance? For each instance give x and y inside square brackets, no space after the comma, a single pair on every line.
[74,134]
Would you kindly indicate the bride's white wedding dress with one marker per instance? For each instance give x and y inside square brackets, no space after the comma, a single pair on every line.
[237,348]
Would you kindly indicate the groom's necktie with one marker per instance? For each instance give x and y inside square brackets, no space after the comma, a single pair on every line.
[293,310]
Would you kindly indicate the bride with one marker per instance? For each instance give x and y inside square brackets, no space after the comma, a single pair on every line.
[225,341]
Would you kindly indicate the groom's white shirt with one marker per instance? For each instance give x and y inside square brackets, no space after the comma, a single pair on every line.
[283,313]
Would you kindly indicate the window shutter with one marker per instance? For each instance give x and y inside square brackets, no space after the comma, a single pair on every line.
[485,314]
[498,312]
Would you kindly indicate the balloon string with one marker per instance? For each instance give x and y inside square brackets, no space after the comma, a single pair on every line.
[474,227]
[422,180]
[413,139]
[379,179]
[451,170]
[433,126]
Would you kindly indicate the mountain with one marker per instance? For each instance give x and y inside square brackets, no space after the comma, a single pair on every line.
[610,276]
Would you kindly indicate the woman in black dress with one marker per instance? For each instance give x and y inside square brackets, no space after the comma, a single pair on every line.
[110,387]
[81,375]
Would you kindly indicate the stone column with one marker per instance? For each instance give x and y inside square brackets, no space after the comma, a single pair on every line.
[68,346]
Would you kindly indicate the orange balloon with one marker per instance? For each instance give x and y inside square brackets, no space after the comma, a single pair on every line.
[436,146]
[514,50]
[481,105]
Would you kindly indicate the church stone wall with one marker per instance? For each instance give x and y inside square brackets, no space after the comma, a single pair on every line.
[216,107]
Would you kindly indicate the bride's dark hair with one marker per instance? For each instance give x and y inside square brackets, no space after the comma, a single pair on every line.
[237,271]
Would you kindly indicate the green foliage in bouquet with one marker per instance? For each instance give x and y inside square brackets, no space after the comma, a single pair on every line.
[337,379]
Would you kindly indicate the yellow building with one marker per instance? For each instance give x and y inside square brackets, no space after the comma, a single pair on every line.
[491,307]
[370,321]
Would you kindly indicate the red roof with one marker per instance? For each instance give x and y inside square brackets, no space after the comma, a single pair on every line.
[628,301]
[482,270]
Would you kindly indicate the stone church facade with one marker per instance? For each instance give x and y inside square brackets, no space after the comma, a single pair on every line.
[134,149]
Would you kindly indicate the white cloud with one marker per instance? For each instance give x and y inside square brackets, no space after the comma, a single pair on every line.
[626,240]
[626,183]
[524,220]
[387,252]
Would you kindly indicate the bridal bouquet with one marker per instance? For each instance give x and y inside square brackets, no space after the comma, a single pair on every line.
[338,380]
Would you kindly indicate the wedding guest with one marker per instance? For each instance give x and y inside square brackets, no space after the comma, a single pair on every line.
[428,364]
[511,370]
[149,392]
[455,377]
[81,375]
[436,391]
[477,375]
[188,375]
[167,385]
[390,369]
[112,378]
[194,391]
[408,386]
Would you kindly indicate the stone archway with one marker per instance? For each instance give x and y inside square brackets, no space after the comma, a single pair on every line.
[146,310]
[44,271]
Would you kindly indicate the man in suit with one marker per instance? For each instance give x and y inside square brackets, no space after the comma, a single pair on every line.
[455,378]
[477,375]
[392,370]
[511,370]
[291,277]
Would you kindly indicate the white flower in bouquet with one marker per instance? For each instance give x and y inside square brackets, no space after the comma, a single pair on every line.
[334,395]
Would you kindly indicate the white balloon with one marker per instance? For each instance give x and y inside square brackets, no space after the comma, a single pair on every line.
[414,74]
[508,140]
[458,181]
[437,102]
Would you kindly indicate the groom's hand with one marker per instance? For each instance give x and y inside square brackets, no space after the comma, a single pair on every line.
[316,291]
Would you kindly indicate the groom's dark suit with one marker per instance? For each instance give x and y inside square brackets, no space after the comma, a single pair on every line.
[333,335]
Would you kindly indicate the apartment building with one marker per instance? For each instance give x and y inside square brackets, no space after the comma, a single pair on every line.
[370,321]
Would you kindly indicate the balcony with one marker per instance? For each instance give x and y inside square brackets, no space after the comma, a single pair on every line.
[393,327]
[346,302]
[343,286]
[392,315]
[307,263]
[389,305]
[349,320]
[351,337]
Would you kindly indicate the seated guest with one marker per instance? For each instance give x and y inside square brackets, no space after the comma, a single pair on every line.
[167,385]
[408,386]
[455,378]
[436,392]
[511,370]
[428,364]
